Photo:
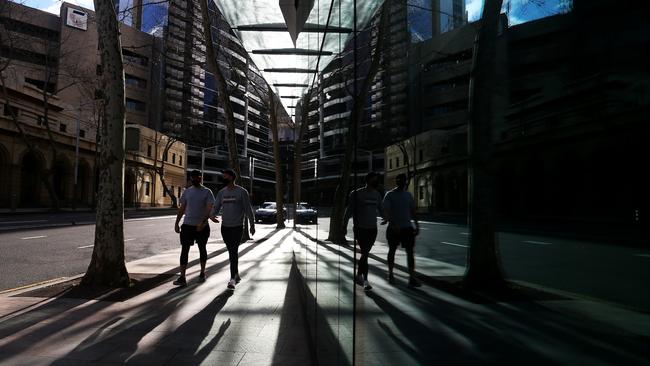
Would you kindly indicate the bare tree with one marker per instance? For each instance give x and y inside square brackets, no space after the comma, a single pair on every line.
[52,71]
[297,150]
[160,170]
[107,267]
[483,267]
[336,229]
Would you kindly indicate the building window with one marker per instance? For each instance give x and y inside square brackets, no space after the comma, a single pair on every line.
[42,85]
[62,127]
[390,163]
[149,150]
[147,186]
[165,156]
[179,192]
[133,58]
[135,105]
[8,110]
[421,155]
[164,192]
[39,120]
[82,133]
[173,158]
[135,81]
[180,160]
[396,162]
[421,192]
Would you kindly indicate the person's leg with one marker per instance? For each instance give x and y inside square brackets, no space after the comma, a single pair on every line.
[202,241]
[365,244]
[393,242]
[186,238]
[232,236]
[408,241]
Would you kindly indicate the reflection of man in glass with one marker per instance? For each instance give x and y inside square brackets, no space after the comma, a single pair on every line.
[363,206]
[403,227]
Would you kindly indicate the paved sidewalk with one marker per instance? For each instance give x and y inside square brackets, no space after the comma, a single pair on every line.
[297,305]
[431,325]
[261,323]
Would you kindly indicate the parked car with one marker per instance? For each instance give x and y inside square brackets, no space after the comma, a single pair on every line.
[305,213]
[268,212]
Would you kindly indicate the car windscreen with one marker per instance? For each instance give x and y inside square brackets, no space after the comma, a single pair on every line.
[268,206]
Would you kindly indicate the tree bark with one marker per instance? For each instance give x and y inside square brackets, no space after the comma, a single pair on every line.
[223,96]
[483,267]
[279,184]
[297,152]
[107,267]
[336,229]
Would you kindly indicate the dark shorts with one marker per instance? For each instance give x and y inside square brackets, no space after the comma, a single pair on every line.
[189,235]
[365,237]
[397,236]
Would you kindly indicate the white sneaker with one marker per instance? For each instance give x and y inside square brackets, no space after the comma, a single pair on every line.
[366,286]
[359,280]
[231,284]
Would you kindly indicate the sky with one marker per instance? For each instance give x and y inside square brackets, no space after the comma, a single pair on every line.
[520,10]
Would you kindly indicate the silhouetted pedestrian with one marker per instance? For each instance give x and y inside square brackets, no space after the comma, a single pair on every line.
[403,227]
[363,206]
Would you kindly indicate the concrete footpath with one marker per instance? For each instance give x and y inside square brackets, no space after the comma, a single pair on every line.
[297,305]
[260,323]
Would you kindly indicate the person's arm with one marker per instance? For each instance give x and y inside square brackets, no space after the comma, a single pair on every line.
[348,211]
[248,210]
[181,212]
[414,216]
[209,202]
[380,209]
[385,205]
[216,207]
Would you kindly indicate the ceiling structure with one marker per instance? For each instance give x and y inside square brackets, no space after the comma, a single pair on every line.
[285,37]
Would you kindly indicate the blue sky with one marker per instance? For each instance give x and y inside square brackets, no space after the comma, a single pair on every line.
[520,10]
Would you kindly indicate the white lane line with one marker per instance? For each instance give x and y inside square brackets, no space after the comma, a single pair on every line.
[129,239]
[34,237]
[148,225]
[21,222]
[86,246]
[537,242]
[642,255]
[454,244]
[150,218]
[464,233]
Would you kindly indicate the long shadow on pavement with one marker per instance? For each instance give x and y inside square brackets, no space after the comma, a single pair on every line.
[46,321]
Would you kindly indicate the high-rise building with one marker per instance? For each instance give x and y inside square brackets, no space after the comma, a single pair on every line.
[189,93]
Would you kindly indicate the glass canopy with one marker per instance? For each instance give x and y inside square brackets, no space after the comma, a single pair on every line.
[290,68]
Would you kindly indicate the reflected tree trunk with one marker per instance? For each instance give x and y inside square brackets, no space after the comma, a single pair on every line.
[279,181]
[336,229]
[483,265]
[107,267]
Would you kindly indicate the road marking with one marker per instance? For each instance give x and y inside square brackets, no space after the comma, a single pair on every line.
[464,233]
[148,225]
[150,218]
[21,222]
[643,255]
[129,239]
[86,246]
[31,285]
[537,242]
[34,237]
[454,244]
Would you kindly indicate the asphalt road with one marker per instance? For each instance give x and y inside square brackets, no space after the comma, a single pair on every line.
[610,272]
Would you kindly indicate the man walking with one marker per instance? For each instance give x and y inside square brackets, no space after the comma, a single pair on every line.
[363,206]
[196,204]
[234,201]
[403,226]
